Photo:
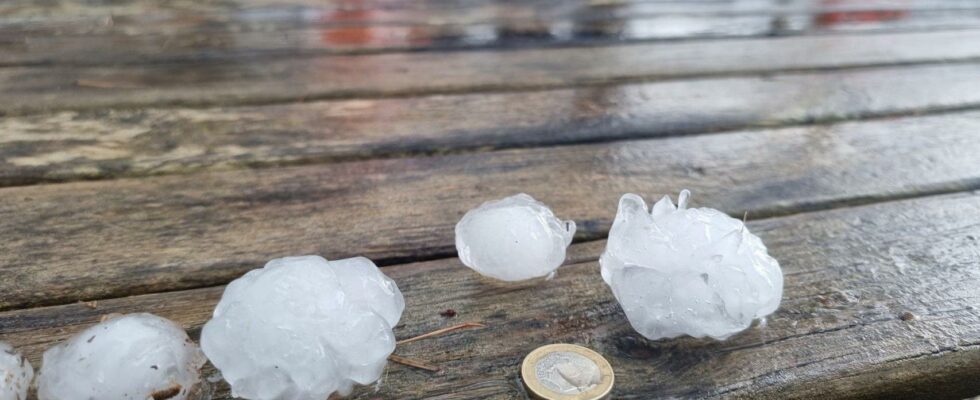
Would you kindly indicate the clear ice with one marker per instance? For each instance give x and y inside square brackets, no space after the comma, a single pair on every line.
[15,374]
[679,271]
[513,239]
[135,356]
[302,328]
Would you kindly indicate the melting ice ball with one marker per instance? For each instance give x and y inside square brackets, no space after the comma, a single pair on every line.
[513,239]
[302,328]
[679,271]
[15,374]
[136,356]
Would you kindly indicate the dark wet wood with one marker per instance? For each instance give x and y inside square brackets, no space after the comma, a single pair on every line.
[119,40]
[37,89]
[116,143]
[87,240]
[870,310]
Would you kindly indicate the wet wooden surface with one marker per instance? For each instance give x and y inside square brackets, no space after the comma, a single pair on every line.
[189,228]
[100,144]
[868,311]
[150,152]
[36,89]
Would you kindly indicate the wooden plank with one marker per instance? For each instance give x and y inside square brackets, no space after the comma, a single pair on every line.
[102,144]
[870,310]
[111,41]
[86,240]
[36,89]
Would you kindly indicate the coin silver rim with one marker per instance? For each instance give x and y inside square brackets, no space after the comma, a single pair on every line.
[538,390]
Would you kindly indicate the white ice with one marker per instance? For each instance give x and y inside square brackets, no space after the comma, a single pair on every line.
[302,328]
[679,271]
[15,374]
[513,239]
[129,357]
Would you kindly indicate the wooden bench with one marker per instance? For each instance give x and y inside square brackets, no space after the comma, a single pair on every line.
[150,152]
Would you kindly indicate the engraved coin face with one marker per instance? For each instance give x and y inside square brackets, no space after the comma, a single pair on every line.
[567,372]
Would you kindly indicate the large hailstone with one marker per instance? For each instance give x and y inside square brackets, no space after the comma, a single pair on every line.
[513,239]
[135,356]
[679,271]
[15,374]
[302,328]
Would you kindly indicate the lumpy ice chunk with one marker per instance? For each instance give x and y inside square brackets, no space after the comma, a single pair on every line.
[679,271]
[513,239]
[136,356]
[15,374]
[302,328]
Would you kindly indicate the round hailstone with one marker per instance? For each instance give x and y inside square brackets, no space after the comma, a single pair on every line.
[135,356]
[513,239]
[302,328]
[15,374]
[679,271]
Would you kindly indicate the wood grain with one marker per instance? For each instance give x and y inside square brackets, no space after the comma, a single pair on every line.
[76,241]
[102,144]
[117,41]
[870,310]
[37,89]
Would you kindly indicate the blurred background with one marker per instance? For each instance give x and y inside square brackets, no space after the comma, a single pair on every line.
[126,31]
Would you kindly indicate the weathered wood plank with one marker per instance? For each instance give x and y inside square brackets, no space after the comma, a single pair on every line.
[111,42]
[35,89]
[870,310]
[84,240]
[105,144]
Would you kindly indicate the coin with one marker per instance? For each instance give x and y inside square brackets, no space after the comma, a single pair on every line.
[567,372]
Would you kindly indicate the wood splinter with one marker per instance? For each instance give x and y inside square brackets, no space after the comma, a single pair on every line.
[413,363]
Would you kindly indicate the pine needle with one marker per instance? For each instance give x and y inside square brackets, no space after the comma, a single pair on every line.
[442,331]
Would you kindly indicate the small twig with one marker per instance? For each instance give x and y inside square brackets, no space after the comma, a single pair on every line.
[442,331]
[745,216]
[413,363]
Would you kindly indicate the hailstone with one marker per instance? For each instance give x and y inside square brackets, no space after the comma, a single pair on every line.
[513,239]
[135,356]
[302,328]
[679,271]
[15,374]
